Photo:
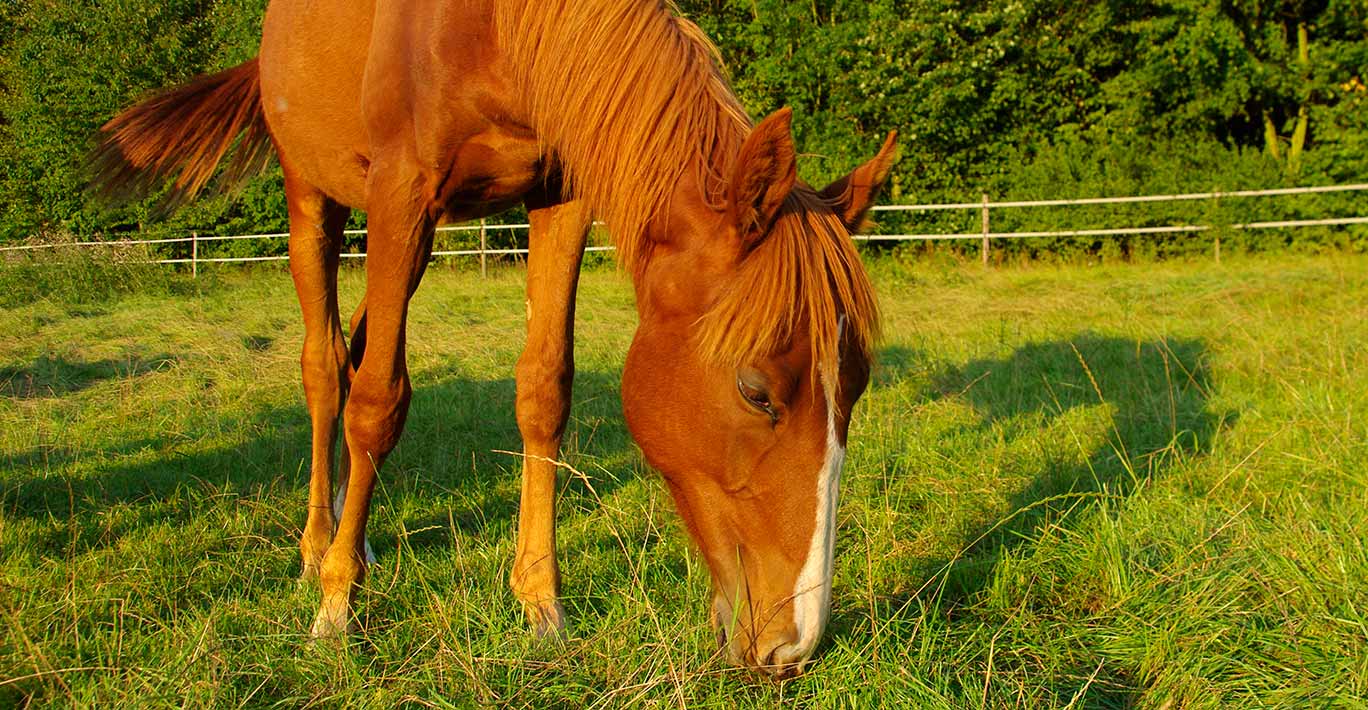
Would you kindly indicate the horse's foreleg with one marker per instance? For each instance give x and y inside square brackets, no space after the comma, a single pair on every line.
[544,375]
[315,239]
[399,244]
[358,350]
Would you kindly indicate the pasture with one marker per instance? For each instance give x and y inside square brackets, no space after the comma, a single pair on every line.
[1118,486]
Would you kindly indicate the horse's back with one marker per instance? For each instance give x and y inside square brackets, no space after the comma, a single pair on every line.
[343,82]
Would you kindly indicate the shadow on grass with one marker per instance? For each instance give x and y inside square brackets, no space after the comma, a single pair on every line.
[145,514]
[49,376]
[475,420]
[456,428]
[1157,394]
[896,363]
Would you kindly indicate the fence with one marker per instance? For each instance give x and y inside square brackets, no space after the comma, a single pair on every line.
[985,234]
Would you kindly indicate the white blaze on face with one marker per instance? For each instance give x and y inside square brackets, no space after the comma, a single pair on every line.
[812,592]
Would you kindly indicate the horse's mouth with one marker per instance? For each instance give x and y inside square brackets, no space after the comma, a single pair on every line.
[719,630]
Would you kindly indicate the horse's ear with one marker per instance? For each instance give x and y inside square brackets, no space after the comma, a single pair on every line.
[762,177]
[852,195]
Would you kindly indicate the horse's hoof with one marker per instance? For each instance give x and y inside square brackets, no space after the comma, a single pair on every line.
[370,554]
[326,629]
[309,574]
[333,621]
[546,618]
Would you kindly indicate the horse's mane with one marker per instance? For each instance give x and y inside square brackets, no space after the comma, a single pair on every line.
[631,96]
[806,269]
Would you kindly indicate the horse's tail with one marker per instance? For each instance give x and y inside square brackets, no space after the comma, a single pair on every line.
[185,132]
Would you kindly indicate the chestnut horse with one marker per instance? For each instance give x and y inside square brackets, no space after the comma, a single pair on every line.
[756,317]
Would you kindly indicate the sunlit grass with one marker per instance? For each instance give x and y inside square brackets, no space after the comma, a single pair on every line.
[1130,486]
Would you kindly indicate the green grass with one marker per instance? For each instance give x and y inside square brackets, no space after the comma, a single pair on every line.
[1123,486]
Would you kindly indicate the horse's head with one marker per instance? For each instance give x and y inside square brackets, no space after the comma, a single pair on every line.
[754,345]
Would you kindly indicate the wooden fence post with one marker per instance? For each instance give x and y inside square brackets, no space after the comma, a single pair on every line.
[983,251]
[483,271]
[194,255]
[1216,229]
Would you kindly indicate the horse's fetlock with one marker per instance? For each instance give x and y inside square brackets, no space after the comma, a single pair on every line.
[341,573]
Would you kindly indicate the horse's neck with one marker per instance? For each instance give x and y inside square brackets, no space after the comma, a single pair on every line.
[629,100]
[688,253]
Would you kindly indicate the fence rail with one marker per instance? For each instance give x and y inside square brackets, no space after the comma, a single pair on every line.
[1118,200]
[985,234]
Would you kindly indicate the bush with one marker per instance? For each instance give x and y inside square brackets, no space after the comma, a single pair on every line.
[1030,99]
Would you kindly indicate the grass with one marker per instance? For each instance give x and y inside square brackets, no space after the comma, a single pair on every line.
[1123,486]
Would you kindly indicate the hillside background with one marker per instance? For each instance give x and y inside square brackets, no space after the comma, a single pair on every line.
[1026,99]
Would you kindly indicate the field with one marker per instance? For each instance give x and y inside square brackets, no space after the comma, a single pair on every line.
[1120,486]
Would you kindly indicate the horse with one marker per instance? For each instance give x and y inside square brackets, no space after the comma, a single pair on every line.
[756,317]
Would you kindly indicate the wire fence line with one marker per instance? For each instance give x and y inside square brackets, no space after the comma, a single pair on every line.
[985,234]
[222,237]
[1120,231]
[1119,200]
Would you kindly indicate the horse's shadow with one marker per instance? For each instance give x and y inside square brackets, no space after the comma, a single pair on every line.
[1158,394]
[1158,397]
[50,376]
[466,446]
[451,473]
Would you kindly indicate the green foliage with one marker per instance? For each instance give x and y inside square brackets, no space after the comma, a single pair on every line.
[1046,99]
[67,67]
[974,85]
[989,97]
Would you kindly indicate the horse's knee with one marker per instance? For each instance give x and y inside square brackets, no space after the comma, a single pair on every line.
[375,416]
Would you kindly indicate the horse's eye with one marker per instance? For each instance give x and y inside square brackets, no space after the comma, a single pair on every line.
[756,396]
